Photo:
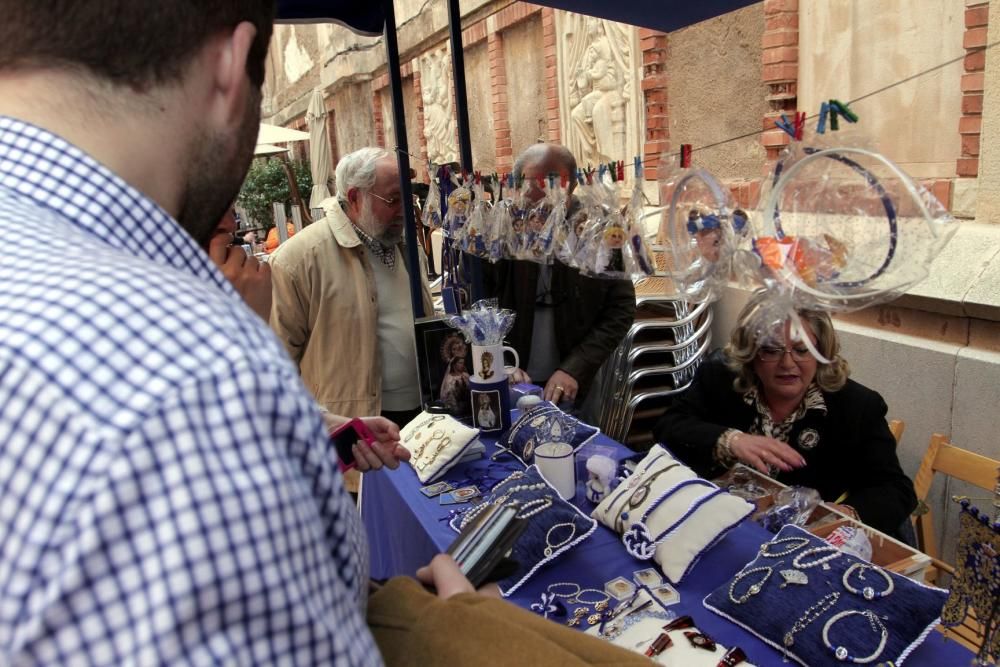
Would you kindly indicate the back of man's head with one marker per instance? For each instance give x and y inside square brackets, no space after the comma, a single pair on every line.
[544,159]
[133,43]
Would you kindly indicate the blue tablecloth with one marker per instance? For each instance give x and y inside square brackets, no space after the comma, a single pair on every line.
[406,529]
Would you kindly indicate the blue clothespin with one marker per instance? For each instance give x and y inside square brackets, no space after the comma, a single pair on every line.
[637,162]
[824,110]
[784,124]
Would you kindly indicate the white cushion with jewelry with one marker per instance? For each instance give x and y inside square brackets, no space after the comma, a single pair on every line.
[664,511]
[436,443]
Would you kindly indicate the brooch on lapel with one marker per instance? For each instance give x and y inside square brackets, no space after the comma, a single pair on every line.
[808,439]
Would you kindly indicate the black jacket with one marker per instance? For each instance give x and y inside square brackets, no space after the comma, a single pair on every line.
[592,315]
[856,451]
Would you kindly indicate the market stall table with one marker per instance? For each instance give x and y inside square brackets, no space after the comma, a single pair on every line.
[406,529]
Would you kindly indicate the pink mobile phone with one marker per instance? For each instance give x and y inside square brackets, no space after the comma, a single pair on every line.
[344,438]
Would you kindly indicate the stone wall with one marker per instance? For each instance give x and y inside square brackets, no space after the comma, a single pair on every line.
[702,108]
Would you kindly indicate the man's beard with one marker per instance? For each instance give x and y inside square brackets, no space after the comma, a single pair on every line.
[388,234]
[218,166]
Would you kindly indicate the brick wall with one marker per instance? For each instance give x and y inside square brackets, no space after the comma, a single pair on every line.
[551,74]
[654,91]
[780,68]
[970,124]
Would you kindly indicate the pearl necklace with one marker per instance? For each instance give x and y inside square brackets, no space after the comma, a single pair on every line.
[551,547]
[500,500]
[867,592]
[754,588]
[797,542]
[833,552]
[819,608]
[841,652]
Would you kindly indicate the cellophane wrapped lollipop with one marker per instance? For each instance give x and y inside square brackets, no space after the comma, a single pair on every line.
[471,237]
[569,230]
[501,237]
[843,227]
[702,228]
[431,216]
[637,256]
[542,221]
[600,253]
[459,206]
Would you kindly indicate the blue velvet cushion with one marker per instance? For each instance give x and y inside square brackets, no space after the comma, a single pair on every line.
[544,422]
[908,613]
[559,527]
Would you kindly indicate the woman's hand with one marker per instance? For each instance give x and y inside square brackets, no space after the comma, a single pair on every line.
[763,453]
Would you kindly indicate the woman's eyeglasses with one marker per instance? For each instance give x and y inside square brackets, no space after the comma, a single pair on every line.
[772,353]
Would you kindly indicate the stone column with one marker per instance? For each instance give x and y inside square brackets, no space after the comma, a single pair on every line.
[988,196]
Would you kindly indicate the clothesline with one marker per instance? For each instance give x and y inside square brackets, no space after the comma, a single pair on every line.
[814,116]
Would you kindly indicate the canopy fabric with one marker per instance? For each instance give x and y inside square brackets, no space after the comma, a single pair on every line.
[366,16]
[268,149]
[273,134]
[319,149]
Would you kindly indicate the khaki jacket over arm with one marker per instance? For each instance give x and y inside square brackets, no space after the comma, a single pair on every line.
[325,312]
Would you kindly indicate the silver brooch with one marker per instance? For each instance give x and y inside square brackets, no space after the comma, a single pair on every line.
[808,439]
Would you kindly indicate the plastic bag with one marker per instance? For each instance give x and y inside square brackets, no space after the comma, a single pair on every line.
[791,506]
[703,230]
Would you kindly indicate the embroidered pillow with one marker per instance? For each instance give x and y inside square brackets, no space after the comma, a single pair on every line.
[799,588]
[555,526]
[436,443]
[667,513]
[544,422]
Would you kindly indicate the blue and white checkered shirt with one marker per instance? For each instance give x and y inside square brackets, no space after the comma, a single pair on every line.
[167,492]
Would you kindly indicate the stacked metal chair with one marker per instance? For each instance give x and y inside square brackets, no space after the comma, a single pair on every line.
[656,360]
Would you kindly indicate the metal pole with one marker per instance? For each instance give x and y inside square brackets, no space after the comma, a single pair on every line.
[462,116]
[403,159]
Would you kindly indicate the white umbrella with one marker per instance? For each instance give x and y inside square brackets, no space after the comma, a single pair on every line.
[273,134]
[268,149]
[319,149]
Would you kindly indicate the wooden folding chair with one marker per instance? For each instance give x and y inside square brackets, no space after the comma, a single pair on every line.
[896,427]
[981,471]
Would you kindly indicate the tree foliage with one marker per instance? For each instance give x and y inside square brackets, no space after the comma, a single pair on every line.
[266,183]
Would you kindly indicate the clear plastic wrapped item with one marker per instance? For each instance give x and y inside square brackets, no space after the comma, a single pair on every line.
[792,505]
[703,230]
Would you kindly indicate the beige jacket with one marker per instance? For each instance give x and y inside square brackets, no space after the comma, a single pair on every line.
[325,312]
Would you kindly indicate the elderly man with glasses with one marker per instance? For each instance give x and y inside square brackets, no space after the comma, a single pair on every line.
[342,299]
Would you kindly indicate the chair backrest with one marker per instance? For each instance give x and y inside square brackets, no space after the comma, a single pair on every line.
[981,471]
[947,459]
[896,427]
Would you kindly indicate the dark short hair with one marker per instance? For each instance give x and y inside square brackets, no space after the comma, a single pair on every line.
[135,43]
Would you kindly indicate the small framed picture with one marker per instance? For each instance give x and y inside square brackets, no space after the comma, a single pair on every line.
[620,588]
[666,594]
[648,577]
[486,410]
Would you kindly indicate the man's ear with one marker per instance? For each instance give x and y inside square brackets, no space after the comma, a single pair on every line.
[230,82]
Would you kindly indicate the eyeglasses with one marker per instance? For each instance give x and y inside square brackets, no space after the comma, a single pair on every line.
[772,353]
[391,203]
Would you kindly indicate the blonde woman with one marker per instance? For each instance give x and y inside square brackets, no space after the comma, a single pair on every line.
[767,402]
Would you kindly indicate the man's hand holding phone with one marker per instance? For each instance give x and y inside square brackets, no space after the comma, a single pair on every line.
[368,443]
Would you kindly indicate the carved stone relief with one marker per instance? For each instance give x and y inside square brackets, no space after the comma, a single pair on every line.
[435,87]
[599,94]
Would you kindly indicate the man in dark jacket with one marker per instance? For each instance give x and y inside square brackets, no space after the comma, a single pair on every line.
[567,324]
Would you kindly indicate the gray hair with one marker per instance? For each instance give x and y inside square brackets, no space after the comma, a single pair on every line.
[542,152]
[357,170]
